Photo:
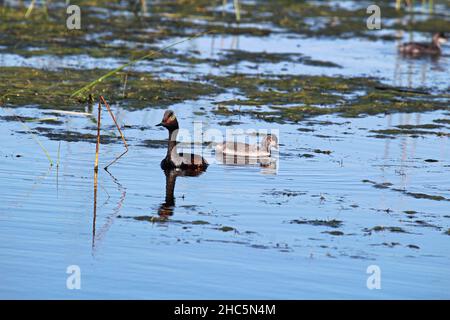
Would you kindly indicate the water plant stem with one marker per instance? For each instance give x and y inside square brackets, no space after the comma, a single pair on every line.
[102,99]
[237,10]
[27,128]
[97,146]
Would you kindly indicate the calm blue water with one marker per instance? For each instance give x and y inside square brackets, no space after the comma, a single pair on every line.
[46,217]
[230,235]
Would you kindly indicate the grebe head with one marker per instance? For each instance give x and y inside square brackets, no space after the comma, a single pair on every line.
[439,38]
[169,120]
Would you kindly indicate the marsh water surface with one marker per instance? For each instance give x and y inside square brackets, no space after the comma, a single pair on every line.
[362,172]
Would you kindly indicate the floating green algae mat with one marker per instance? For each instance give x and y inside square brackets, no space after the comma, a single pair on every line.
[409,132]
[318,95]
[342,21]
[116,30]
[383,228]
[327,223]
[286,98]
[105,21]
[52,89]
[47,33]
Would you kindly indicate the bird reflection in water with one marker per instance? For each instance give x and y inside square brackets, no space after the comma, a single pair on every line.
[267,164]
[166,208]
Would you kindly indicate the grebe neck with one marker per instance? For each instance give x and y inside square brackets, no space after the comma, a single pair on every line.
[172,143]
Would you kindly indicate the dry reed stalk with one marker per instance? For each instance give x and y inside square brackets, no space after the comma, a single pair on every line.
[94,217]
[97,146]
[102,99]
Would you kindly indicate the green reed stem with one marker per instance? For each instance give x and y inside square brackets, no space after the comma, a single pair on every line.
[147,56]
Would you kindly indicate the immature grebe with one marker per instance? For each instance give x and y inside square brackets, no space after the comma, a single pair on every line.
[421,48]
[174,159]
[249,150]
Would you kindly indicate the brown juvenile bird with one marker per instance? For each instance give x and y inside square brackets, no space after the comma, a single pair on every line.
[423,48]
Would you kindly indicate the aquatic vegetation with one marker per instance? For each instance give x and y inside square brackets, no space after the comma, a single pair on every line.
[328,152]
[422,223]
[284,193]
[327,223]
[444,121]
[320,95]
[383,228]
[383,185]
[419,126]
[53,89]
[391,244]
[412,132]
[234,56]
[417,195]
[334,233]
[71,136]
[226,229]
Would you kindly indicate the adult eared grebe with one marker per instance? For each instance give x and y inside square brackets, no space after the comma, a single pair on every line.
[173,159]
